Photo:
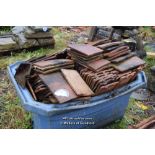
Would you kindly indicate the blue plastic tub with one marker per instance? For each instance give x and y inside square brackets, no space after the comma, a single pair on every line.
[97,112]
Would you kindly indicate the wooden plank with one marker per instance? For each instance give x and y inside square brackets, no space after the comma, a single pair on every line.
[31,90]
[131,63]
[58,86]
[145,121]
[76,82]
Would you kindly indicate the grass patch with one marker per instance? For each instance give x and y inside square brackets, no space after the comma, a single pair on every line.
[15,117]
[147,33]
[4,29]
[133,115]
[61,41]
[150,62]
[12,115]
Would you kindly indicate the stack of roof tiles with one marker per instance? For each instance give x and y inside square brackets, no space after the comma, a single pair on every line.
[81,71]
[115,67]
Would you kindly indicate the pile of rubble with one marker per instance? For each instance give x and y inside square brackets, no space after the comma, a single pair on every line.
[80,71]
[29,37]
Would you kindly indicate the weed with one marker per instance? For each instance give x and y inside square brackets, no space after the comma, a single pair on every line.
[133,115]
